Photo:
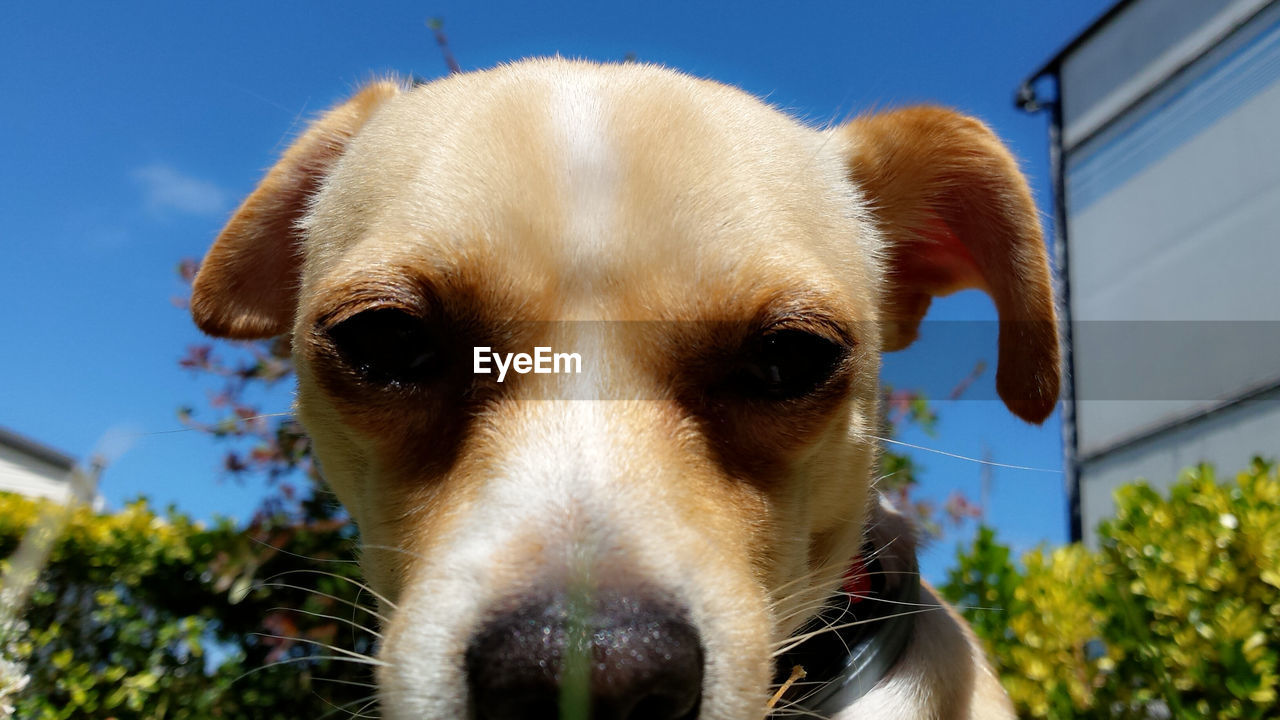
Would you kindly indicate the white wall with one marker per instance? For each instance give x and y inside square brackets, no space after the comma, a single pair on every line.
[24,474]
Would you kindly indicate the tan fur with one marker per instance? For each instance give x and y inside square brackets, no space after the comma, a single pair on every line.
[248,287]
[959,215]
[651,220]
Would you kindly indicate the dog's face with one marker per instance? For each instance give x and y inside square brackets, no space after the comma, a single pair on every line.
[728,278]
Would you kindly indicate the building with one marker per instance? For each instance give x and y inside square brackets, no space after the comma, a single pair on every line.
[36,470]
[1166,152]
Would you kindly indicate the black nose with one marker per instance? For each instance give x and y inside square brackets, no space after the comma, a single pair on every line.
[603,657]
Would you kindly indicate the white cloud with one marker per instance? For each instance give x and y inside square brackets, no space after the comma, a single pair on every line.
[166,188]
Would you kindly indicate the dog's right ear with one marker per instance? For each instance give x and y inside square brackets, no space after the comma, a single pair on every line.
[247,286]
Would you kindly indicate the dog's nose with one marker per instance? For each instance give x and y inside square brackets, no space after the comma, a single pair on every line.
[613,657]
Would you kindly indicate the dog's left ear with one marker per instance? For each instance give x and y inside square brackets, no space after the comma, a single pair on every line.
[956,213]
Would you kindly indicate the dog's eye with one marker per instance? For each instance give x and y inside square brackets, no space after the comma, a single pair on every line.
[387,345]
[786,364]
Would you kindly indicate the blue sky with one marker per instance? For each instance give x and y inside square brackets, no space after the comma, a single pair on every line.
[130,131]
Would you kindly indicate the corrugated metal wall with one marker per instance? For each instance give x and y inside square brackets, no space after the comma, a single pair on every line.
[1171,134]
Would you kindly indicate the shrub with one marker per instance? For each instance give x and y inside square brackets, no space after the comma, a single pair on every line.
[145,615]
[1178,612]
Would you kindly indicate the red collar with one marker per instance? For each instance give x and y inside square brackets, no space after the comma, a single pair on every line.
[857,583]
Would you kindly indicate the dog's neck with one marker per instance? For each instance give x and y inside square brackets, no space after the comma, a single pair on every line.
[870,619]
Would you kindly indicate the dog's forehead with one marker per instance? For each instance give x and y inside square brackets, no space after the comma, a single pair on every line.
[588,177]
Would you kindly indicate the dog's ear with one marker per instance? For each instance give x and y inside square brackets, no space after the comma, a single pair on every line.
[956,213]
[247,286]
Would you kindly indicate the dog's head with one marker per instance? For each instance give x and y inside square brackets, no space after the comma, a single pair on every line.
[728,278]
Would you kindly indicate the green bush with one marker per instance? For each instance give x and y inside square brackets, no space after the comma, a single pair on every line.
[140,615]
[1178,610]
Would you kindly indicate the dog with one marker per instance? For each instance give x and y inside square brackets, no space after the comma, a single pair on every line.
[689,524]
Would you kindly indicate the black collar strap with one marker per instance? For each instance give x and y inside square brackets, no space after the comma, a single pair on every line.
[875,612]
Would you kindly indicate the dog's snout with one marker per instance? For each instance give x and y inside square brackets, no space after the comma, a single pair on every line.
[618,657]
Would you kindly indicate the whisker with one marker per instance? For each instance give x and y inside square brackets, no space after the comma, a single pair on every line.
[793,707]
[880,550]
[796,640]
[978,607]
[800,594]
[911,604]
[355,605]
[357,713]
[193,429]
[789,711]
[875,573]
[831,628]
[354,624]
[802,683]
[887,601]
[362,660]
[359,657]
[809,608]
[353,581]
[391,548]
[366,706]
[264,543]
[353,683]
[829,568]
[814,572]
[965,457]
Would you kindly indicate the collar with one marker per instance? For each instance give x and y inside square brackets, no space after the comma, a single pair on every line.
[880,595]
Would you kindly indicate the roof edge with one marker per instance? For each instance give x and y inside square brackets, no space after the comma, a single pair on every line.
[36,449]
[1026,97]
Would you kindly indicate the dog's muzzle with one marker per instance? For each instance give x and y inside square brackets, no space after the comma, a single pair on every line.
[605,656]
